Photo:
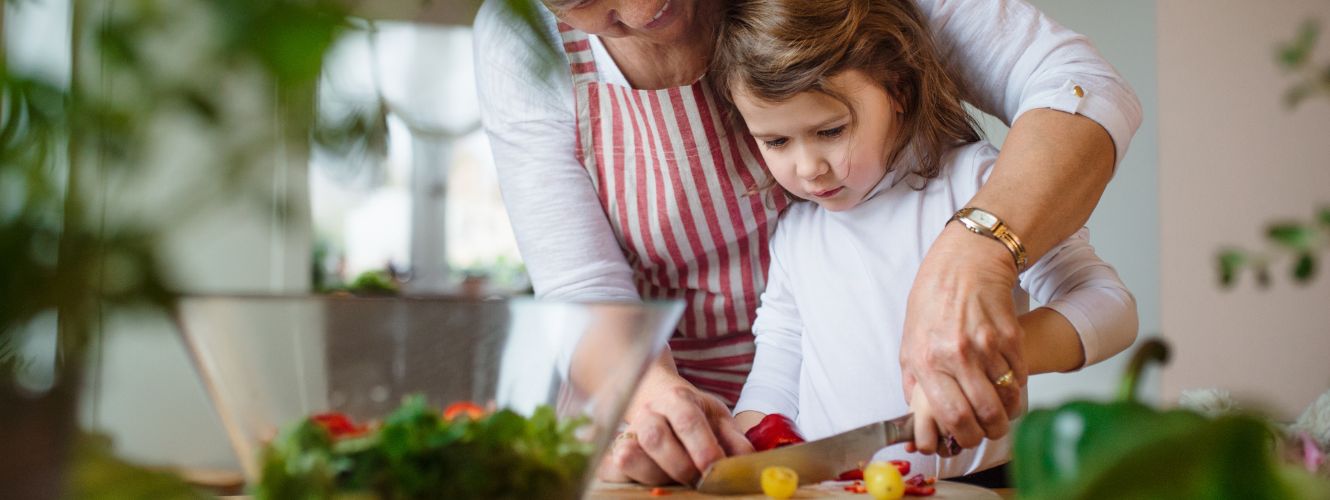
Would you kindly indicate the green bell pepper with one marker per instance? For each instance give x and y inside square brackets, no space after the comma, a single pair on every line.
[1125,449]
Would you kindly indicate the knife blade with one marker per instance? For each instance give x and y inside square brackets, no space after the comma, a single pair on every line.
[815,461]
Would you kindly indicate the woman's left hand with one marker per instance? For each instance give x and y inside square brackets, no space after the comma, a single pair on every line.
[961,334]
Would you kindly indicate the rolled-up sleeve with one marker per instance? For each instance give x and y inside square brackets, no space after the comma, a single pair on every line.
[1072,280]
[1010,58]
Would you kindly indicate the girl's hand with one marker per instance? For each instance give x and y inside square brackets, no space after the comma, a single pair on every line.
[674,432]
[927,438]
[961,334]
[746,420]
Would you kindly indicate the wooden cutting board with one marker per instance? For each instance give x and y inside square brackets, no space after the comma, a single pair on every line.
[946,490]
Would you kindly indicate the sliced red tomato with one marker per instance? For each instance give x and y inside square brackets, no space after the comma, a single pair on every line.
[659,492]
[338,424]
[467,408]
[901,465]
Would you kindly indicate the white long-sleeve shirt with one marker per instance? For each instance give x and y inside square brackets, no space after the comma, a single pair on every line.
[830,324]
[1006,54]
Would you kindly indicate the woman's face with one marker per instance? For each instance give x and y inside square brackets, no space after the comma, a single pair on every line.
[816,149]
[658,21]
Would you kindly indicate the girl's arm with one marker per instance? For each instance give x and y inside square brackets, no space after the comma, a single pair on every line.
[1082,296]
[773,383]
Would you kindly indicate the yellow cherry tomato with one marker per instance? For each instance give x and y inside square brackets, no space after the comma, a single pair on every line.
[883,481]
[780,482]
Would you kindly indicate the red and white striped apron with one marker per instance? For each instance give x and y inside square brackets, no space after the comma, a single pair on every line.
[678,189]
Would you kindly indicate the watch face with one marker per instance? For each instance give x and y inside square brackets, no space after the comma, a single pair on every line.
[983,218]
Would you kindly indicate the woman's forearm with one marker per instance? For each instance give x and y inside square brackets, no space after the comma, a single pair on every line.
[1050,174]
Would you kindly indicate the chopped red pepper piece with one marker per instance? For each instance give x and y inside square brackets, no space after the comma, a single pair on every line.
[918,485]
[774,431]
[338,424]
[471,410]
[851,475]
[857,487]
[902,466]
[659,492]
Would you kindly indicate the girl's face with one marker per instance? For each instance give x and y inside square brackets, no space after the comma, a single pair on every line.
[816,149]
[656,21]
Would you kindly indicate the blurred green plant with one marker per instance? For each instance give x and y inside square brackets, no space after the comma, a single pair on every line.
[502,271]
[147,75]
[1296,57]
[1301,240]
[173,108]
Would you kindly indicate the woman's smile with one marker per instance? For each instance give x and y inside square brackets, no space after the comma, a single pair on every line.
[662,17]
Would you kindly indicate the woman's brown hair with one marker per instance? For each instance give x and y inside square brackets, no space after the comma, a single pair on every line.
[776,49]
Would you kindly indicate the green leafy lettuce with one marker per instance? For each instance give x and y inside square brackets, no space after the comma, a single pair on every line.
[416,453]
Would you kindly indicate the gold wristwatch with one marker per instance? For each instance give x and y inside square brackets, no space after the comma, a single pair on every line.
[980,221]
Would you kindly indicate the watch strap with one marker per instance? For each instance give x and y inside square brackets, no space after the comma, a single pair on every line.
[998,231]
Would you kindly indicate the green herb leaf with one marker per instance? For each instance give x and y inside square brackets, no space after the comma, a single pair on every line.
[1291,235]
[1305,268]
[1230,262]
[1294,55]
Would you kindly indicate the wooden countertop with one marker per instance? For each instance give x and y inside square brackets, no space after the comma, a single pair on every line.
[945,491]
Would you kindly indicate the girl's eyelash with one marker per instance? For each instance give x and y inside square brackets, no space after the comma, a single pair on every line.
[831,133]
[775,143]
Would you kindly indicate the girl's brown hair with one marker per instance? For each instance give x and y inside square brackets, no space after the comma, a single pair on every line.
[776,49]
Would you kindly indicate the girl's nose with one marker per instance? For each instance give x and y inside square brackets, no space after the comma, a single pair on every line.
[811,165]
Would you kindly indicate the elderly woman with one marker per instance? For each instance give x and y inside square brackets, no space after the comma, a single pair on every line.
[623,182]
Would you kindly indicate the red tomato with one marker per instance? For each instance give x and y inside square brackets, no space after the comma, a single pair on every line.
[338,424]
[467,408]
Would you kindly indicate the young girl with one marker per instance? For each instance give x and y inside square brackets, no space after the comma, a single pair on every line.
[851,110]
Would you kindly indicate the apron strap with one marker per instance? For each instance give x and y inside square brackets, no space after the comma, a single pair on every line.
[580,60]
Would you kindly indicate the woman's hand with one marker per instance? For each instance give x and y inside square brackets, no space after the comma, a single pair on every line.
[674,433]
[962,334]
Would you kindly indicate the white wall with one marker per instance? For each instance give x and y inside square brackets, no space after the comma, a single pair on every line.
[1125,227]
[1232,160]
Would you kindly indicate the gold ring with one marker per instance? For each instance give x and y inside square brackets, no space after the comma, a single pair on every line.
[1006,379]
[628,435]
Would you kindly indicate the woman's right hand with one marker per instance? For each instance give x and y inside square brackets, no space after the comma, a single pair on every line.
[675,431]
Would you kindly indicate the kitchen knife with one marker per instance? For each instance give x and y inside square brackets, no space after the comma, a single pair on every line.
[815,461]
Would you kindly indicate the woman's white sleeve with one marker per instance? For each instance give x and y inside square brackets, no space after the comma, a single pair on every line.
[1010,58]
[1072,280]
[526,102]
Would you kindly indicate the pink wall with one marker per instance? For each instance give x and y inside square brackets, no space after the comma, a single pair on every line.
[1231,159]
